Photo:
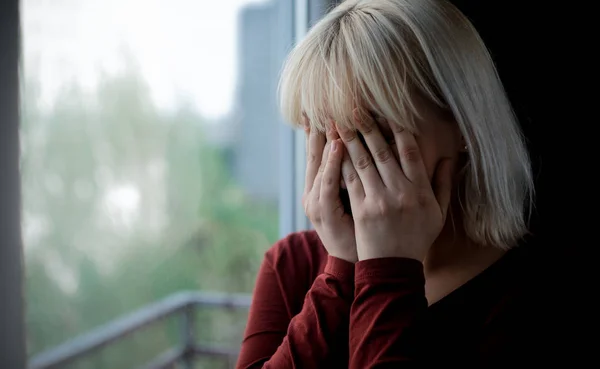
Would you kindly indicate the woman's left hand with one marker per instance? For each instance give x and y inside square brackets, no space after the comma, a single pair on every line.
[397,212]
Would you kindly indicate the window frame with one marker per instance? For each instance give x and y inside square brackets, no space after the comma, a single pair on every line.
[13,351]
[293,147]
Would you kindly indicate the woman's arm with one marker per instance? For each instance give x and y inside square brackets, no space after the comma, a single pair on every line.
[398,214]
[314,338]
[389,298]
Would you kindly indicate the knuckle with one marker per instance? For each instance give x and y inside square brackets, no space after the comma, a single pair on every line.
[422,199]
[377,209]
[382,207]
[328,181]
[339,208]
[366,126]
[363,162]
[396,128]
[332,158]
[413,200]
[410,154]
[348,137]
[313,213]
[383,155]
[309,211]
[312,158]
[403,201]
[351,177]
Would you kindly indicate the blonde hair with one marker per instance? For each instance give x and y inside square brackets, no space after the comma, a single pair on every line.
[382,55]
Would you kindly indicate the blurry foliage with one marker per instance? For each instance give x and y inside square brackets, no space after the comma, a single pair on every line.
[186,225]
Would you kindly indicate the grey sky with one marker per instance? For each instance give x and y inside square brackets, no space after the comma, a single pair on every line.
[186,48]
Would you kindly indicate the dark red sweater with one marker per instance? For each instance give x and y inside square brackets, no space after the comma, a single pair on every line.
[311,310]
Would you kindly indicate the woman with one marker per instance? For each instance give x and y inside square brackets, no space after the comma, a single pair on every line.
[407,120]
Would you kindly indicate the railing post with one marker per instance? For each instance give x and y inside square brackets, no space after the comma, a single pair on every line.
[188,336]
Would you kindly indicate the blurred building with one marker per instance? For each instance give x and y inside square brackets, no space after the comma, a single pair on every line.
[263,42]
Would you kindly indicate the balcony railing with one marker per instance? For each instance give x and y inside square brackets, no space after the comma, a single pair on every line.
[183,304]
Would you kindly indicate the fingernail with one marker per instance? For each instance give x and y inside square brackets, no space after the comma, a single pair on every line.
[330,127]
[361,117]
[381,120]
[334,146]
[340,128]
[305,121]
[356,115]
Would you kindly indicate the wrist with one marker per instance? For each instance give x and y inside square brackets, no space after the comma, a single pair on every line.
[345,257]
[384,254]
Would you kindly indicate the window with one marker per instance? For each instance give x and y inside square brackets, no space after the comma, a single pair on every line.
[154,161]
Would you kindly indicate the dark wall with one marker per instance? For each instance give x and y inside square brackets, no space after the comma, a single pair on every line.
[543,54]
[540,52]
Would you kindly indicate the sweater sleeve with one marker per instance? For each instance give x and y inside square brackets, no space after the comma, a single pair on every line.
[389,298]
[313,338]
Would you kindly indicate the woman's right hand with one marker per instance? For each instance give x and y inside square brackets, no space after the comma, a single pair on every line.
[321,199]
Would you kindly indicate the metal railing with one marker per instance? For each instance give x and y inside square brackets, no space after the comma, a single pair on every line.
[183,303]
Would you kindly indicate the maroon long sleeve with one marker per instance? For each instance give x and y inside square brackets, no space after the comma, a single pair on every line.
[310,310]
[389,300]
[278,337]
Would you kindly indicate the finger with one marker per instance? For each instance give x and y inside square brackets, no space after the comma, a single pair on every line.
[383,155]
[351,178]
[325,156]
[335,135]
[411,160]
[442,184]
[361,159]
[330,136]
[314,154]
[390,140]
[318,182]
[330,189]
[331,132]
[305,123]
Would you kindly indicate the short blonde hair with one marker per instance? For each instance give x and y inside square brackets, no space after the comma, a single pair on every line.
[381,54]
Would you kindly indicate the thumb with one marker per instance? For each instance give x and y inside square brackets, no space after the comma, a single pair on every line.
[442,184]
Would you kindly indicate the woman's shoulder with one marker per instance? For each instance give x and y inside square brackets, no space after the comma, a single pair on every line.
[295,262]
[299,254]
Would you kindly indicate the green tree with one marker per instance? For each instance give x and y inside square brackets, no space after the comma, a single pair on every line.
[185,224]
